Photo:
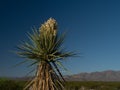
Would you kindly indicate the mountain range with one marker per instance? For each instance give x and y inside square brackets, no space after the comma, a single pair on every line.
[109,75]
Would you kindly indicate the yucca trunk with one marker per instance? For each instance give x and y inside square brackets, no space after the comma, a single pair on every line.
[46,78]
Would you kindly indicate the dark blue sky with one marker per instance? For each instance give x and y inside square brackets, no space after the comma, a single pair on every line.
[93,28]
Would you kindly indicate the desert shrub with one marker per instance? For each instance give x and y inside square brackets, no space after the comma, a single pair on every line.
[92,85]
[71,85]
[11,85]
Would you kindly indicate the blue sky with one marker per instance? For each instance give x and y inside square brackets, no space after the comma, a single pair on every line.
[93,29]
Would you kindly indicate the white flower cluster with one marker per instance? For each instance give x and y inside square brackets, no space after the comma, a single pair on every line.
[49,27]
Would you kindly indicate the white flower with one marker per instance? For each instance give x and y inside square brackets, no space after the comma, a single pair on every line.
[49,27]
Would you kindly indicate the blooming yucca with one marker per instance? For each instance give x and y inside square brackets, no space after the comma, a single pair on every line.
[49,27]
[44,48]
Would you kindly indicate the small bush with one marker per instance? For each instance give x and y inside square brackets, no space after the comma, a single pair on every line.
[11,85]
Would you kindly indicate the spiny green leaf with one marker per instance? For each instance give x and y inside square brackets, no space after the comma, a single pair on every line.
[20,63]
[35,62]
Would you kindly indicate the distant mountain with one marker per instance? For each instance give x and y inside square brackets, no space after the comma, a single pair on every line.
[108,75]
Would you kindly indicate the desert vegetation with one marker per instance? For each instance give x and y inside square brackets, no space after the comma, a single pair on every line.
[92,85]
[6,84]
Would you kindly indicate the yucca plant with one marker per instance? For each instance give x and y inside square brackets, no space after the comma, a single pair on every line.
[46,52]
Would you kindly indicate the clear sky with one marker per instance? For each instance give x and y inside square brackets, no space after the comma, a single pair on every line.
[93,29]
